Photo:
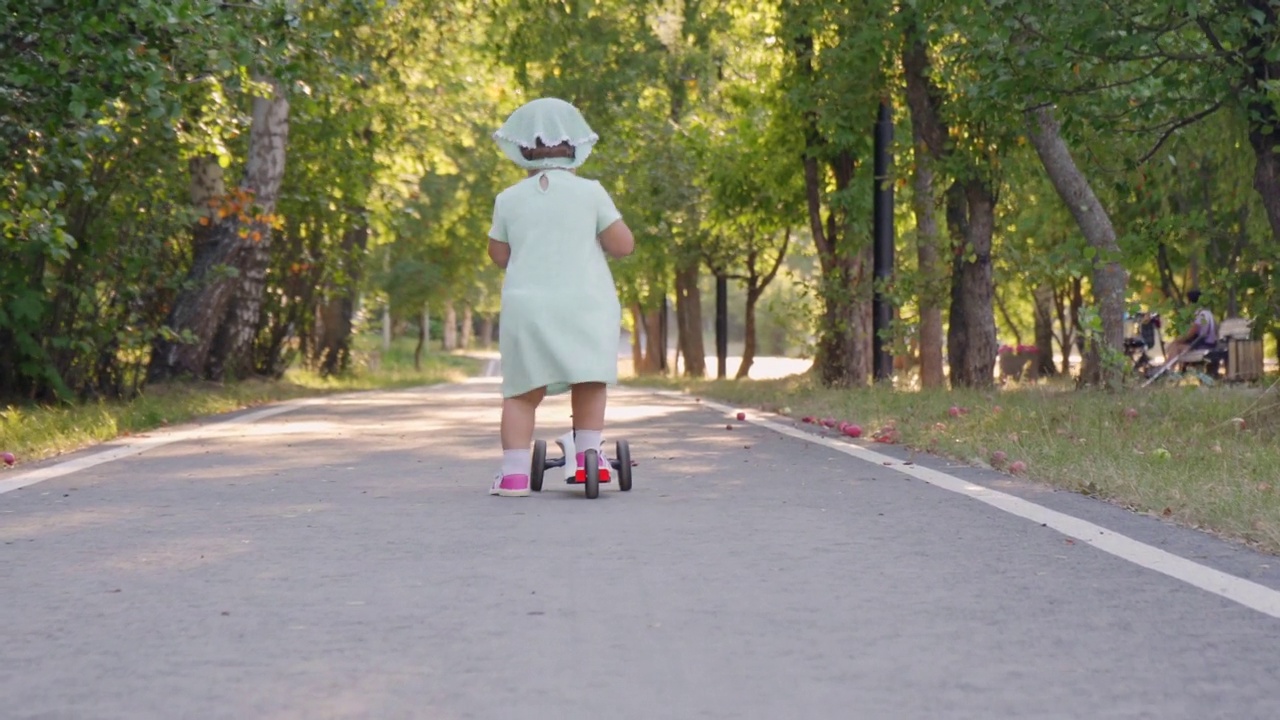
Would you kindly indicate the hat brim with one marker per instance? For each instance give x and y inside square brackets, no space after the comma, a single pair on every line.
[551,122]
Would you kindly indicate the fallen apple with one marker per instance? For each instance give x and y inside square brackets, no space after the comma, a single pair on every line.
[1131,413]
[785,411]
[1017,467]
[954,411]
[742,416]
[998,458]
[728,427]
[808,419]
[1238,422]
[1162,453]
[828,422]
[852,430]
[8,458]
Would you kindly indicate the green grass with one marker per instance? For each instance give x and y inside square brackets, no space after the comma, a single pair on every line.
[1183,456]
[37,432]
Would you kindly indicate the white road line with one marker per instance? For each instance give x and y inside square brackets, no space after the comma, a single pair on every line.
[1245,592]
[136,446]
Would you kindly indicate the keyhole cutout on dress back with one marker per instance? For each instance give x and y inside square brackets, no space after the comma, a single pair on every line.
[543,182]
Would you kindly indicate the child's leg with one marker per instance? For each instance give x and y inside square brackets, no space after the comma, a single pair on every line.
[517,434]
[588,406]
[518,414]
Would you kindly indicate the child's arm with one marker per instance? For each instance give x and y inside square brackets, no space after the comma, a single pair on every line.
[499,253]
[617,240]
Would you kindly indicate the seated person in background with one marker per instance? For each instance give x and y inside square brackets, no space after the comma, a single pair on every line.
[1203,333]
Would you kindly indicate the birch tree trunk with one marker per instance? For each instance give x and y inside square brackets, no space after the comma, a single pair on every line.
[1108,276]
[264,171]
[220,313]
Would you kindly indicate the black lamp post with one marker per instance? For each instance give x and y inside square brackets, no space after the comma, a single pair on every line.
[882,229]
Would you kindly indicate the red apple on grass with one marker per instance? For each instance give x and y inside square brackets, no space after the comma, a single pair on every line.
[808,419]
[852,430]
[1017,467]
[954,411]
[1131,413]
[828,422]
[8,458]
[999,458]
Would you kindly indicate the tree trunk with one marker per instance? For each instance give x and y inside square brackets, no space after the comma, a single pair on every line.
[637,339]
[467,320]
[1066,336]
[334,348]
[424,333]
[844,336]
[655,350]
[689,321]
[1109,276]
[264,172]
[1263,70]
[932,276]
[1044,329]
[971,342]
[450,340]
[971,333]
[222,313]
[749,332]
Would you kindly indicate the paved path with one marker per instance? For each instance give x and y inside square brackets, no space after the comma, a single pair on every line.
[343,560]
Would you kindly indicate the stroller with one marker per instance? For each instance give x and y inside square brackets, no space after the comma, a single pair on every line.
[1143,339]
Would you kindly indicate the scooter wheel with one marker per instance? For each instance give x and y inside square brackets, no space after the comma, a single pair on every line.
[623,456]
[591,466]
[538,466]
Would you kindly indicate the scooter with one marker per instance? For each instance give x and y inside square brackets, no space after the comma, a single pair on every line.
[590,478]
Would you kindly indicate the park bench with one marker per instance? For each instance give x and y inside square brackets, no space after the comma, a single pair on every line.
[1236,348]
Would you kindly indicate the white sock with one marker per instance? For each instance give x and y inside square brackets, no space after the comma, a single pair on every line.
[515,462]
[584,440]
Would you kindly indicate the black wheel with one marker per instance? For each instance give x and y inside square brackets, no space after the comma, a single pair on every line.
[591,464]
[538,466]
[624,465]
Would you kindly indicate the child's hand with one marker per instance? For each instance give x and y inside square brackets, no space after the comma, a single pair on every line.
[499,253]
[617,240]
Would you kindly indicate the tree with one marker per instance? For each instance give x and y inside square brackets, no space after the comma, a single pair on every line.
[970,210]
[836,79]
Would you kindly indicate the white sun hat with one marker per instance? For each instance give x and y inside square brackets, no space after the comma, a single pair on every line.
[553,121]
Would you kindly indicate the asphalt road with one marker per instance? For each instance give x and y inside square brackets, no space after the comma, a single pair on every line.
[343,560]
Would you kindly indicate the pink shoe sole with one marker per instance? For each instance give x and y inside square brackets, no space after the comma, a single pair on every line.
[511,486]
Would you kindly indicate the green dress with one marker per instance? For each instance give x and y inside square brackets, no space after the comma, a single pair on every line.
[560,317]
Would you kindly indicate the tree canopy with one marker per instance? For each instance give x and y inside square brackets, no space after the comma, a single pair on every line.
[197,188]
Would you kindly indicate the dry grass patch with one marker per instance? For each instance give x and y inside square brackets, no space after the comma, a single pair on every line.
[1206,457]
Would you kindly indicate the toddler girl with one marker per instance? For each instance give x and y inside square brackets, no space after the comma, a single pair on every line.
[560,313]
